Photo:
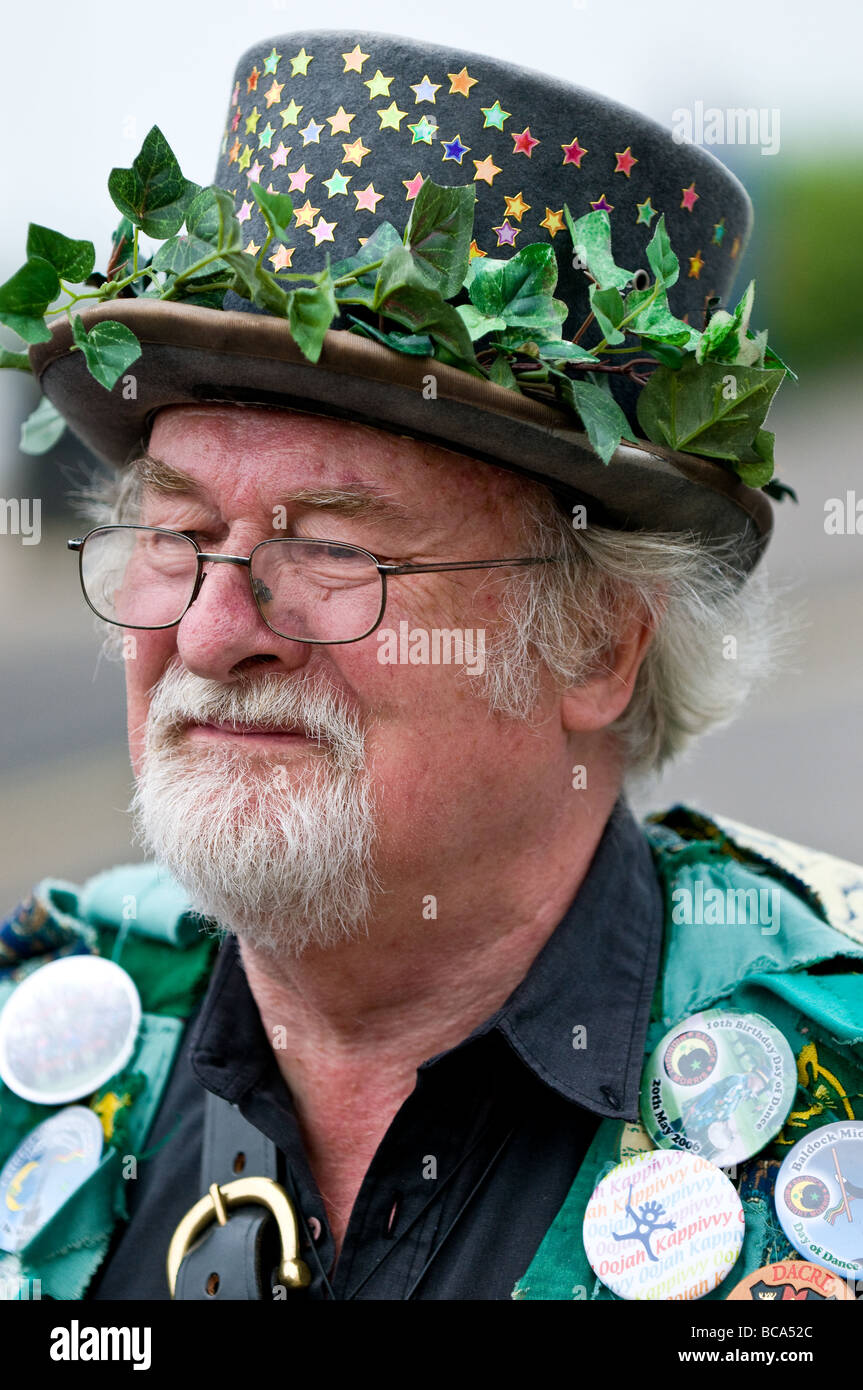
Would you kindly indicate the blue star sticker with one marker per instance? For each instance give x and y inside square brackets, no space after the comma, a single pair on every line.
[454,149]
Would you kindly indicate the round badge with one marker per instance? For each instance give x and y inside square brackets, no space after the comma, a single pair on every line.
[663,1225]
[819,1197]
[46,1168]
[67,1029]
[793,1280]
[719,1084]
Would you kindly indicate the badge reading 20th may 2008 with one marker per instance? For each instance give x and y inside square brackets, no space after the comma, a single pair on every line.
[67,1029]
[663,1225]
[819,1197]
[719,1084]
[47,1167]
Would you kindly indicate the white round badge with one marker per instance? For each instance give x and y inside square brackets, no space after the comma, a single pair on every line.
[67,1029]
[663,1225]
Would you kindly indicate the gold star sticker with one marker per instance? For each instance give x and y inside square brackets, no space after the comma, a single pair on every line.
[735,247]
[695,265]
[274,93]
[290,113]
[282,258]
[323,231]
[300,64]
[234,151]
[516,207]
[252,121]
[252,249]
[553,222]
[486,169]
[340,123]
[461,82]
[391,117]
[355,153]
[475,251]
[306,214]
[354,60]
[379,86]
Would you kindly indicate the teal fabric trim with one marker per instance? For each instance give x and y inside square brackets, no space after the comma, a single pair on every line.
[139,897]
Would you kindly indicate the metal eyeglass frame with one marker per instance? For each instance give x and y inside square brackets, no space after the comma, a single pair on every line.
[203,556]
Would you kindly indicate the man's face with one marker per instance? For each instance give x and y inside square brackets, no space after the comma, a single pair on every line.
[436,781]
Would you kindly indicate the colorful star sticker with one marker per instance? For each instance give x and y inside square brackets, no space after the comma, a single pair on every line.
[695,265]
[290,113]
[735,247]
[306,214]
[245,158]
[299,178]
[300,64]
[235,96]
[553,222]
[424,90]
[338,183]
[494,116]
[601,204]
[516,207]
[625,161]
[367,199]
[252,249]
[254,174]
[234,152]
[252,80]
[272,60]
[454,149]
[413,186]
[355,59]
[235,119]
[573,153]
[524,142]
[391,117]
[323,231]
[475,251]
[282,258]
[690,197]
[379,86]
[424,130]
[355,153]
[311,133]
[273,93]
[245,211]
[280,156]
[461,82]
[265,138]
[506,234]
[252,121]
[646,212]
[718,232]
[486,169]
[340,123]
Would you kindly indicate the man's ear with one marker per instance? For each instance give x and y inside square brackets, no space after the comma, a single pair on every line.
[605,693]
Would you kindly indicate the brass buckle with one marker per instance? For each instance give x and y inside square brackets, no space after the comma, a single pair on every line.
[264,1192]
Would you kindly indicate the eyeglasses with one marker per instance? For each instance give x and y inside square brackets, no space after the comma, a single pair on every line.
[316,591]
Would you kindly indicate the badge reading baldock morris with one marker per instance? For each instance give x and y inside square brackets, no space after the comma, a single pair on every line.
[819,1197]
[67,1029]
[48,1165]
[719,1084]
[663,1225]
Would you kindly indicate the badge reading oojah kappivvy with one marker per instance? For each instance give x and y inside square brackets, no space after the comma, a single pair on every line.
[663,1225]
[67,1029]
[819,1197]
[719,1084]
[49,1164]
[792,1281]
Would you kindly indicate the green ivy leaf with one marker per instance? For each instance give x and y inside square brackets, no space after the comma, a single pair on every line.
[438,235]
[758,471]
[565,352]
[25,297]
[153,194]
[72,260]
[180,253]
[311,310]
[715,409]
[109,348]
[654,322]
[41,430]
[255,283]
[501,373]
[591,242]
[772,359]
[416,344]
[608,310]
[402,293]
[477,323]
[667,354]
[18,361]
[210,217]
[661,258]
[603,419]
[520,290]
[726,337]
[277,210]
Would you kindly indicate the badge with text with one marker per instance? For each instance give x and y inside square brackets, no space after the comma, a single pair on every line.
[67,1029]
[793,1281]
[663,1225]
[719,1084]
[819,1197]
[47,1167]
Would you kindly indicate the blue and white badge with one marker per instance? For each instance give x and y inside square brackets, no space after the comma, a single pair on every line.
[46,1168]
[819,1197]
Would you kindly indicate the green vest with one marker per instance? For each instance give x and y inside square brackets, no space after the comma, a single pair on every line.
[138,916]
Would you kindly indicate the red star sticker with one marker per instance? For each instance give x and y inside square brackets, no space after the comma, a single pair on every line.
[573,153]
[413,186]
[252,80]
[625,160]
[690,197]
[524,143]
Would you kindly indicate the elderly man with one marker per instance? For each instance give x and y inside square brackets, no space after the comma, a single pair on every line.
[385,684]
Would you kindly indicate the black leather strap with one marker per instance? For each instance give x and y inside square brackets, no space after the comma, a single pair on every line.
[231,1261]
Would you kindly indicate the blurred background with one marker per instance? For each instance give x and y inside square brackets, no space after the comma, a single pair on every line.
[79,88]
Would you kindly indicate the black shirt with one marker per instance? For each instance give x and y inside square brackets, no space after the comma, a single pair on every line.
[478,1160]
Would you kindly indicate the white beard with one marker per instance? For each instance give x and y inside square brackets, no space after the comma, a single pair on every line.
[280,854]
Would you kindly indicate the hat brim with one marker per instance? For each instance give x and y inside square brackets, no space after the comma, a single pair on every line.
[192,355]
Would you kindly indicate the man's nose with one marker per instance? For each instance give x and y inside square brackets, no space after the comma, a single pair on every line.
[222,629]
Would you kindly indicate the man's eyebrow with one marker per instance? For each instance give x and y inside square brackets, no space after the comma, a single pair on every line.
[162,477]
